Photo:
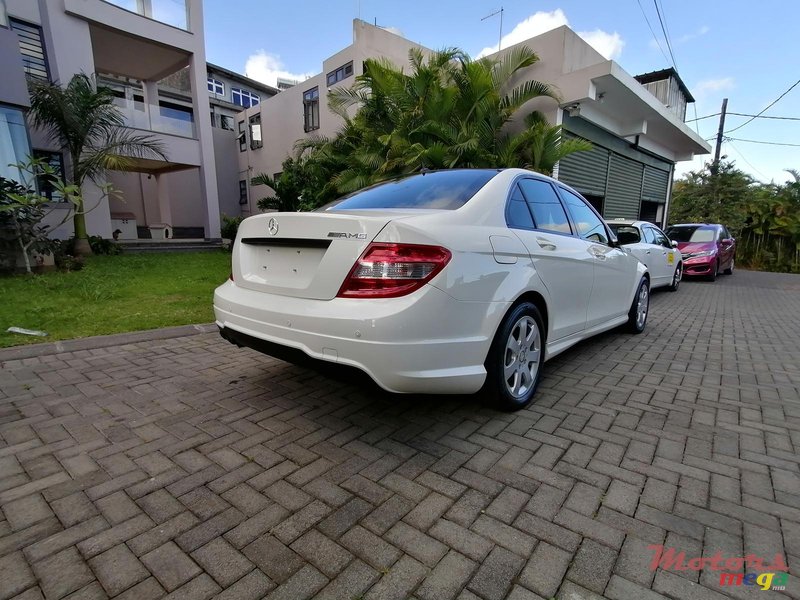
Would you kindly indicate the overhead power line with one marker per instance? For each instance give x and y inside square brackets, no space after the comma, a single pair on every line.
[650,27]
[664,31]
[742,156]
[744,115]
[770,105]
[763,142]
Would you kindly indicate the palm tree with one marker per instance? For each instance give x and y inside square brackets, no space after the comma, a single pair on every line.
[83,119]
[448,111]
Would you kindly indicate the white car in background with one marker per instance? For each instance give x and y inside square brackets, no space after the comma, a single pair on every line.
[444,282]
[653,248]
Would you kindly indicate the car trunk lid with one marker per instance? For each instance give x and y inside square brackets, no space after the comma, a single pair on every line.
[303,255]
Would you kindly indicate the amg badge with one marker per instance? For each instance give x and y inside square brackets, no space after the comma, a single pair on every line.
[347,236]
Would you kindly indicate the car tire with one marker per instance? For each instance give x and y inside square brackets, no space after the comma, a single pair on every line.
[712,277]
[729,270]
[640,307]
[515,359]
[676,278]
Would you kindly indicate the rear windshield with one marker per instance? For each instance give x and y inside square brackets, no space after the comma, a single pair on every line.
[446,190]
[694,233]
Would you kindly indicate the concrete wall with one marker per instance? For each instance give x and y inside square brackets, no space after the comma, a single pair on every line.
[282,115]
[226,152]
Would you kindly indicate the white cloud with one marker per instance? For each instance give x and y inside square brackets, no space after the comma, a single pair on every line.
[394,30]
[710,86]
[608,44]
[266,68]
[690,36]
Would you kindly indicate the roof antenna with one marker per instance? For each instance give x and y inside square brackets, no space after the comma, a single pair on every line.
[497,12]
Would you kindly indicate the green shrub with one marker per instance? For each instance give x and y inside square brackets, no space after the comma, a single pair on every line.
[230,226]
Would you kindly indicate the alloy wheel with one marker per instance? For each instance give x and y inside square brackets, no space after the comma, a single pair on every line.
[642,306]
[521,357]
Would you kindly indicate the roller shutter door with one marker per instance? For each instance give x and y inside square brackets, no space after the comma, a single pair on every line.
[585,171]
[624,188]
[655,185]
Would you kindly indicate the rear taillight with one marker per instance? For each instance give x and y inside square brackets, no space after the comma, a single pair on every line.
[392,270]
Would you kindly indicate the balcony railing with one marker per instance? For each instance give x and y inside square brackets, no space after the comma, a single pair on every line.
[170,12]
[168,121]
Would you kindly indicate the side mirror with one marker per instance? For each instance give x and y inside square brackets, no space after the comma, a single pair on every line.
[674,243]
[727,241]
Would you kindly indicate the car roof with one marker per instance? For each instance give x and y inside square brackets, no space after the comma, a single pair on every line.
[629,222]
[696,225]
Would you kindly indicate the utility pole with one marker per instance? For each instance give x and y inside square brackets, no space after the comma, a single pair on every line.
[715,164]
[500,12]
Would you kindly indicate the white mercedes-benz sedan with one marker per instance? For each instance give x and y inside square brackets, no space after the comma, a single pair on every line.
[444,282]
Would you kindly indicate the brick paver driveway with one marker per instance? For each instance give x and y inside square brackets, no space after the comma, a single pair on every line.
[188,467]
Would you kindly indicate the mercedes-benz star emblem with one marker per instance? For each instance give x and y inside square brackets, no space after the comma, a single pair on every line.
[272,226]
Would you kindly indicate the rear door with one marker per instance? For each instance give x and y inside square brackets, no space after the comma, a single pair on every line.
[665,257]
[614,269]
[561,259]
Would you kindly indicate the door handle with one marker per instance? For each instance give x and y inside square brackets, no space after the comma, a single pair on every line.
[647,251]
[545,244]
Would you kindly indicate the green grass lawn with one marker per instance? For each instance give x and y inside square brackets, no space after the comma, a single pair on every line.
[113,294]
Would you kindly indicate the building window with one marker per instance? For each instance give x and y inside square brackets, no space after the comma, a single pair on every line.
[45,182]
[342,72]
[226,122]
[31,46]
[255,132]
[242,137]
[3,14]
[244,98]
[216,87]
[14,146]
[311,109]
[242,191]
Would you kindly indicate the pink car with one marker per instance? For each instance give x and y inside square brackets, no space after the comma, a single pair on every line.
[707,248]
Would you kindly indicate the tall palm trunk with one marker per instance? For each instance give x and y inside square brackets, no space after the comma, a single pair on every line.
[82,246]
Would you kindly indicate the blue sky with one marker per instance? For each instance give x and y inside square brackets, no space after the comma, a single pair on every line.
[735,49]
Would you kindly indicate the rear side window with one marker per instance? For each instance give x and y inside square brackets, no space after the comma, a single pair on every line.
[548,213]
[517,214]
[626,234]
[447,190]
[590,226]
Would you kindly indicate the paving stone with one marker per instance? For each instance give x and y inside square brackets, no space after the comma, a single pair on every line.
[345,517]
[203,502]
[246,499]
[149,589]
[160,505]
[24,512]
[592,566]
[387,514]
[117,569]
[252,586]
[301,586]
[275,559]
[325,554]
[117,507]
[171,566]
[222,561]
[494,577]
[62,573]
[15,575]
[301,521]
[162,533]
[419,545]
[73,509]
[370,548]
[545,569]
[398,583]
[351,583]
[250,529]
[462,539]
[447,578]
[427,512]
[200,588]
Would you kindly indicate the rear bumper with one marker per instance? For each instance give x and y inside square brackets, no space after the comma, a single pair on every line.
[426,342]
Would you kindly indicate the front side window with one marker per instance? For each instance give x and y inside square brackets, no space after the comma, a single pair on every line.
[442,190]
[649,238]
[548,213]
[660,238]
[590,226]
[216,87]
[255,132]
[311,109]
[244,98]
